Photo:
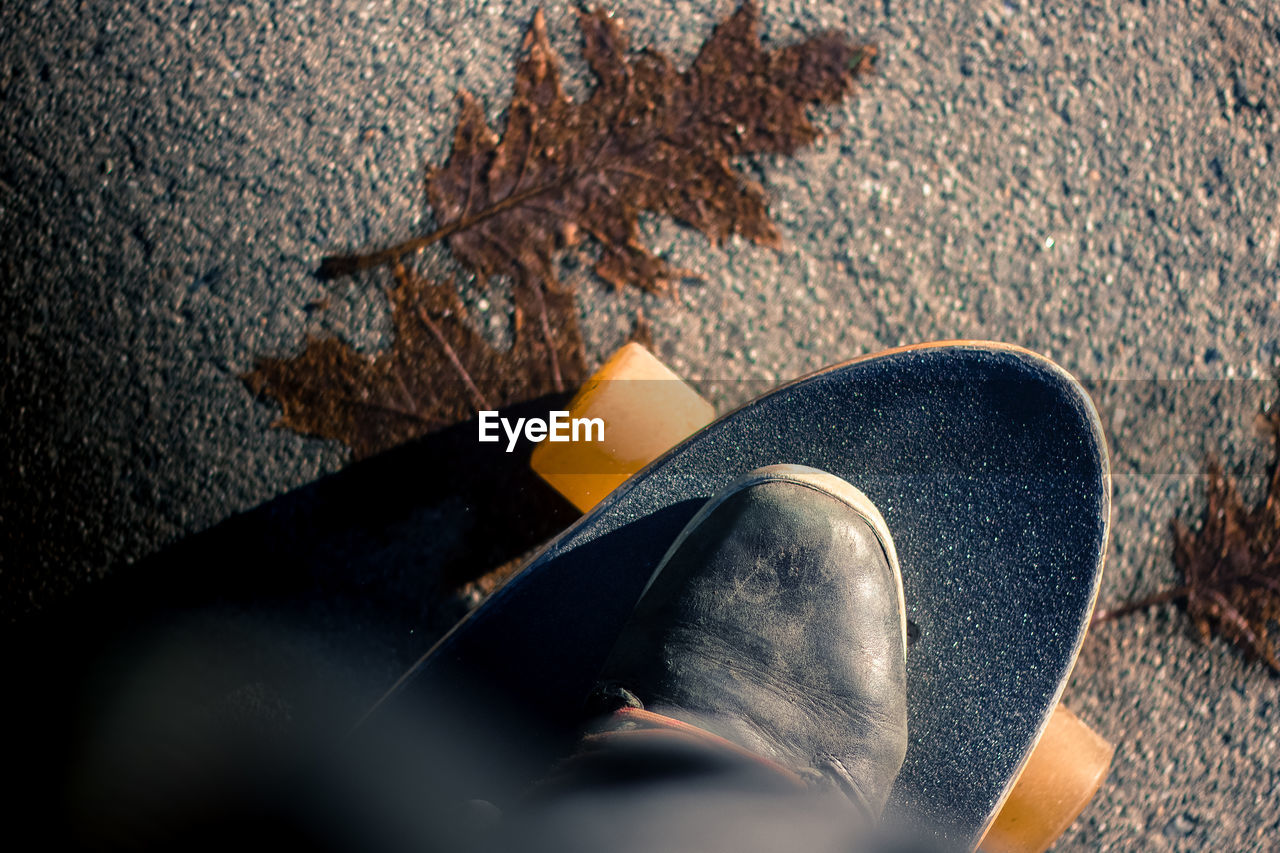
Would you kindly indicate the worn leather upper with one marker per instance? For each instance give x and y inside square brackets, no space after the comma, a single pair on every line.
[776,622]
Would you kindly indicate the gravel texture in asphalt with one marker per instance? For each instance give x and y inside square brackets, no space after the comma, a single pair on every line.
[1096,181]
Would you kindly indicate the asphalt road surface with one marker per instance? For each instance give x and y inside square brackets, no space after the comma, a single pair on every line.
[1096,181]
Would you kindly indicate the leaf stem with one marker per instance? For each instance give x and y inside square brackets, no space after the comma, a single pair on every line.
[478,398]
[334,266]
[1162,597]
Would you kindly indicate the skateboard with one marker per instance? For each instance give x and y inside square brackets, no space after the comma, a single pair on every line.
[989,465]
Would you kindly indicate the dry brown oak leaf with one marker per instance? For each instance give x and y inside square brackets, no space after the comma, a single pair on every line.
[649,138]
[1231,565]
[439,371]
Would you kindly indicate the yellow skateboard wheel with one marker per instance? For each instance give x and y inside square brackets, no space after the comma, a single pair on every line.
[1064,771]
[646,410]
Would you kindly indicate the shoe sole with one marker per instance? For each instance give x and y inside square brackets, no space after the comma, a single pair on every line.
[819,481]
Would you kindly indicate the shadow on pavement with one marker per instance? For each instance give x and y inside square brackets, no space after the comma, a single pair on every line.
[295,615]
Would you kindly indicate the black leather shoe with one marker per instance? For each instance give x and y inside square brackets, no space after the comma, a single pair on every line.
[776,621]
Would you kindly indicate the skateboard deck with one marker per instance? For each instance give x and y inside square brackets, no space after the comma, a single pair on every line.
[989,465]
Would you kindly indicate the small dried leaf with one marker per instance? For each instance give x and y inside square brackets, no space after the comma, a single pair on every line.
[1231,564]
